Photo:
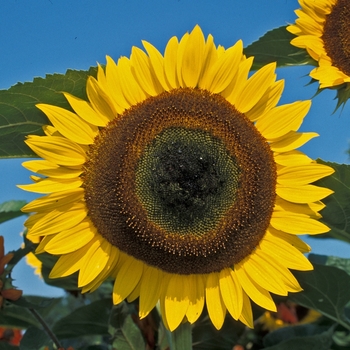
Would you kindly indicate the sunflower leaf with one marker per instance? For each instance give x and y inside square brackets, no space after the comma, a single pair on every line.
[18,115]
[35,338]
[336,214]
[326,290]
[311,337]
[14,316]
[126,335]
[87,320]
[10,210]
[275,46]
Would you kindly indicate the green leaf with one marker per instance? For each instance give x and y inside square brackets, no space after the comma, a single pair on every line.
[14,316]
[87,320]
[275,46]
[19,116]
[34,339]
[206,337]
[126,335]
[310,337]
[35,302]
[10,210]
[335,261]
[5,346]
[326,290]
[336,214]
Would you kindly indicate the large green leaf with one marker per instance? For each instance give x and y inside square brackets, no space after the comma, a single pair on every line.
[336,214]
[10,210]
[17,317]
[126,335]
[310,337]
[326,290]
[87,320]
[275,46]
[34,339]
[19,116]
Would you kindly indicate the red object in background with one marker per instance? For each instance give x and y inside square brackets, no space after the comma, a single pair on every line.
[10,335]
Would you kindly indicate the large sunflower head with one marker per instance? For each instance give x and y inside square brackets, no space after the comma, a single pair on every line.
[178,178]
[323,29]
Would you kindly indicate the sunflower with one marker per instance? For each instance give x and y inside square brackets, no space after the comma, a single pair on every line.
[323,29]
[179,179]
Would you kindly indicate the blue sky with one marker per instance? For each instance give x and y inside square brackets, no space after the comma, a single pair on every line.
[50,36]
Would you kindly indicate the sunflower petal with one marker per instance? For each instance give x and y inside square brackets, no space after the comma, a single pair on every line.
[215,304]
[69,124]
[255,292]
[128,276]
[231,292]
[298,224]
[57,150]
[149,290]
[196,296]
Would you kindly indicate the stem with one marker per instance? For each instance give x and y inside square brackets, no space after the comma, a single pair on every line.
[181,338]
[46,327]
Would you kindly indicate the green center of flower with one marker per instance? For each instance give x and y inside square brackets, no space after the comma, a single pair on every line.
[182,181]
[186,180]
[336,35]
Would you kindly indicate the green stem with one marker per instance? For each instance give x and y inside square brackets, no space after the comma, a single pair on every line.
[46,327]
[181,338]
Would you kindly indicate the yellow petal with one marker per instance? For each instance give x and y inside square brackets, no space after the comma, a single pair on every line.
[210,57]
[302,194]
[240,81]
[270,274]
[258,294]
[99,100]
[176,300]
[192,60]
[222,72]
[247,314]
[144,73]
[231,292]
[255,87]
[69,124]
[180,53]
[149,290]
[283,119]
[281,204]
[130,87]
[85,111]
[298,224]
[52,170]
[114,86]
[95,261]
[284,252]
[292,158]
[157,62]
[72,239]
[291,141]
[129,274]
[303,174]
[59,220]
[268,101]
[69,263]
[196,298]
[135,293]
[57,150]
[215,304]
[52,185]
[107,271]
[54,200]
[170,60]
